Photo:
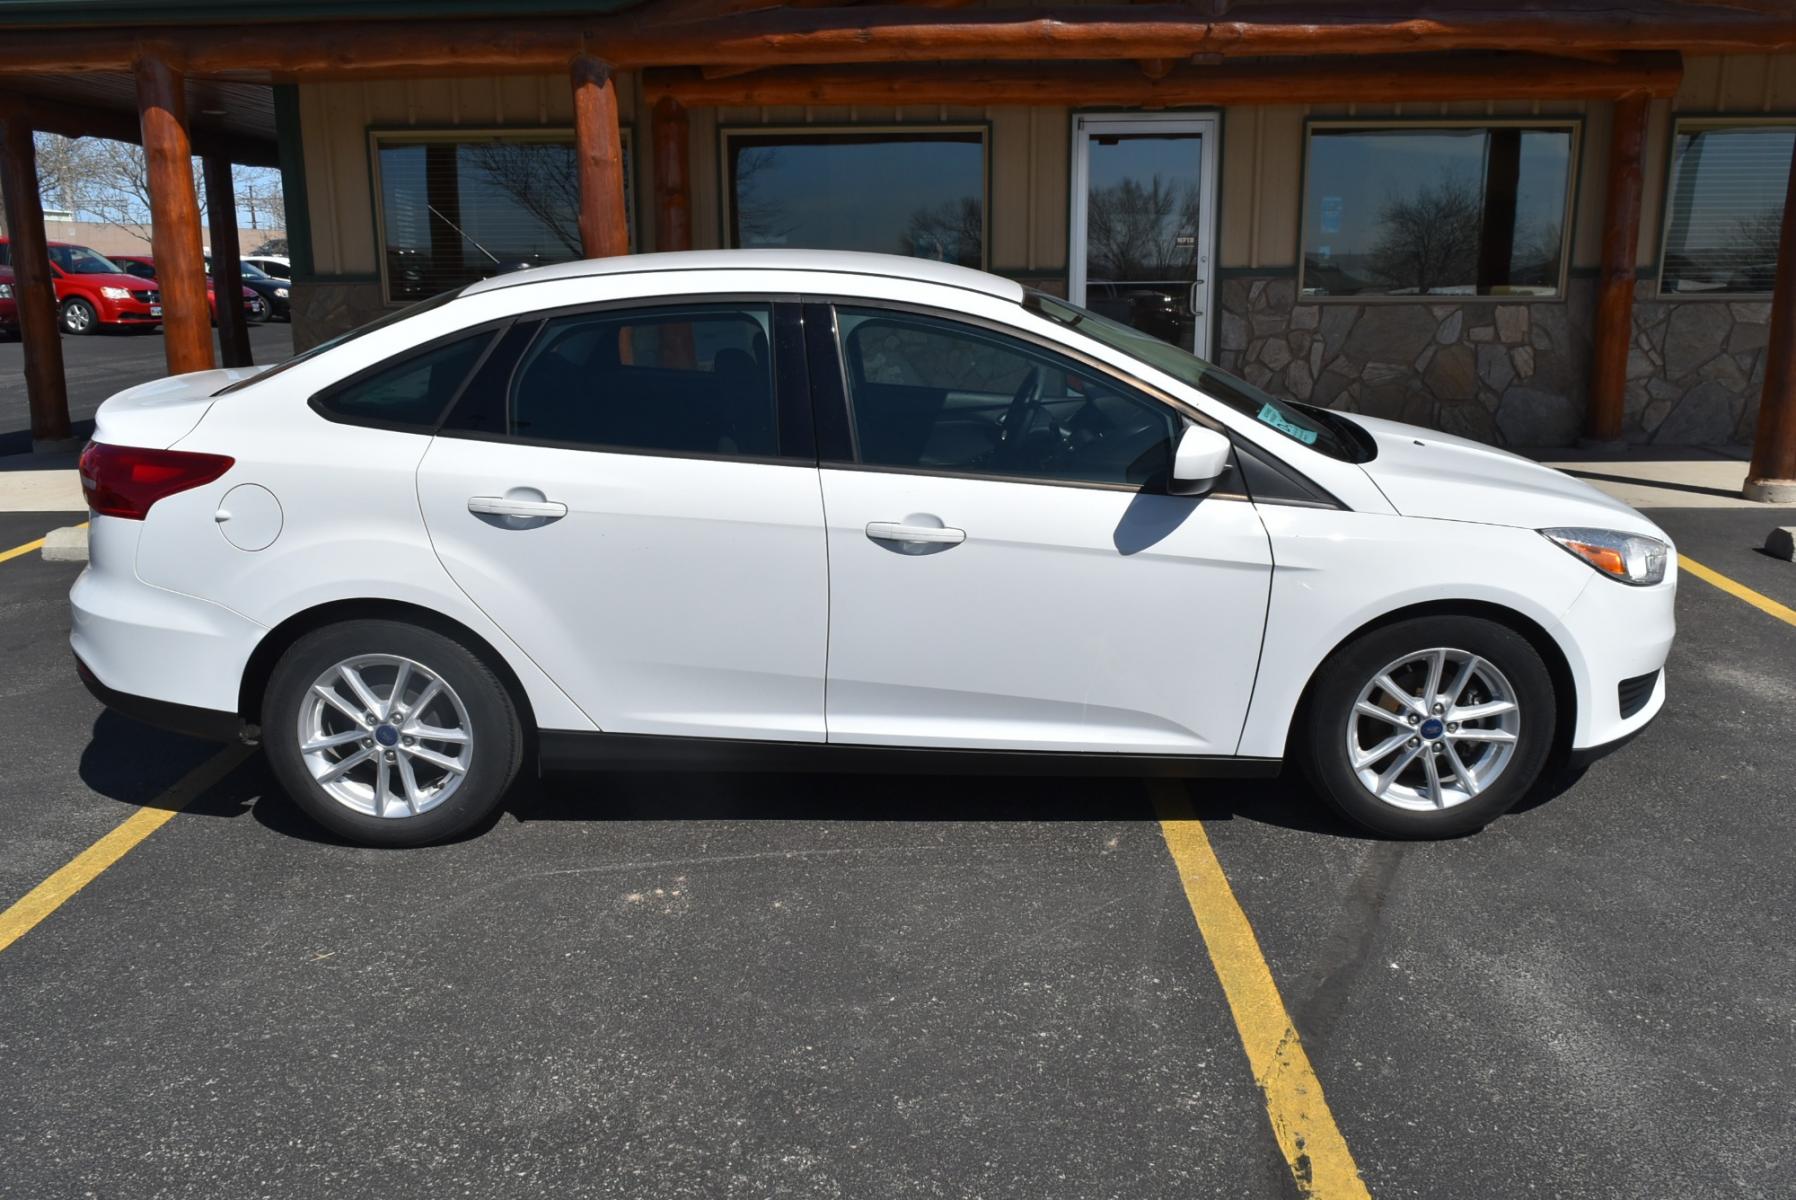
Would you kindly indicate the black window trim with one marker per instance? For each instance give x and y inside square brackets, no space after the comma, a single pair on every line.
[790,387]
[1236,489]
[318,400]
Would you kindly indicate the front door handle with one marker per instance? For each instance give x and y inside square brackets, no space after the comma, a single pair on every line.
[505,506]
[897,531]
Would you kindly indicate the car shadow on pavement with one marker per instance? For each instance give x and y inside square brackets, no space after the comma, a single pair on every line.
[146,767]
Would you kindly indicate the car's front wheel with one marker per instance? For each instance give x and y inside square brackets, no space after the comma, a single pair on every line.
[1430,727]
[78,316]
[390,734]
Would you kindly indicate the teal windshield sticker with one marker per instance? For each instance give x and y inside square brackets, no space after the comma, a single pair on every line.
[1271,416]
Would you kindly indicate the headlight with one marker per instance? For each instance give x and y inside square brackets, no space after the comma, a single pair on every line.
[1630,557]
[112,293]
[5,291]
[281,292]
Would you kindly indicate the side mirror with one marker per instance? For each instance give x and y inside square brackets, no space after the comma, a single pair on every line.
[1200,460]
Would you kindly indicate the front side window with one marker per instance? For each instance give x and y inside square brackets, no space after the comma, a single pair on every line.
[79,260]
[1436,210]
[1316,428]
[457,209]
[917,192]
[933,394]
[681,379]
[1724,206]
[414,392]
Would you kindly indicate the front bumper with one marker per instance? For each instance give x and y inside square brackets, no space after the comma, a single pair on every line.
[1616,635]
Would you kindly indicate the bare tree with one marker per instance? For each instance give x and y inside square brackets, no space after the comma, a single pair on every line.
[540,178]
[758,219]
[259,197]
[953,231]
[1429,239]
[1142,231]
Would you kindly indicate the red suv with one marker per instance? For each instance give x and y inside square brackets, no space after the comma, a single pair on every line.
[92,290]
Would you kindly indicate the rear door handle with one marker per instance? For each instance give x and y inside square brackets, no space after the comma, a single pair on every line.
[896,531]
[505,506]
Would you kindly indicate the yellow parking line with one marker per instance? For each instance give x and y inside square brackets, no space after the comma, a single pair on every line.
[86,866]
[16,551]
[28,547]
[1320,1162]
[1738,590]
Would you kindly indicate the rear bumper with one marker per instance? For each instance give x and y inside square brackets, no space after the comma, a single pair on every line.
[207,723]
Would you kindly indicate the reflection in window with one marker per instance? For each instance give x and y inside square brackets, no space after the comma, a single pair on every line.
[914,192]
[456,210]
[1436,211]
[413,392]
[1725,206]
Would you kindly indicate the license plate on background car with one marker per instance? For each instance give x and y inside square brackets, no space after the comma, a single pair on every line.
[155,310]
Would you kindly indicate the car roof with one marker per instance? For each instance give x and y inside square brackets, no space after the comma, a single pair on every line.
[837,262]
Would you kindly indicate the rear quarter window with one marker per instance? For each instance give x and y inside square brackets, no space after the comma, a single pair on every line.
[411,393]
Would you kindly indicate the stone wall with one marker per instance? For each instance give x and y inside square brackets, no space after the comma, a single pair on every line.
[323,310]
[1696,370]
[1506,374]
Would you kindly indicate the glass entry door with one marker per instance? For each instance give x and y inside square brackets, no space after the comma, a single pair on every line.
[1143,205]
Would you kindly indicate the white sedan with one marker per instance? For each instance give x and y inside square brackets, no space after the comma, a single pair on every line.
[808,508]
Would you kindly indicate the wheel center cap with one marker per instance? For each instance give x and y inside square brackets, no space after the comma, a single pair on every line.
[1432,728]
[387,735]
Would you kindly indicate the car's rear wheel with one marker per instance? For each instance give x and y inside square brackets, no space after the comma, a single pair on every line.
[1431,727]
[390,734]
[78,316]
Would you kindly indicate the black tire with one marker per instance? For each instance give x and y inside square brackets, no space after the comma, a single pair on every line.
[78,317]
[1322,738]
[494,755]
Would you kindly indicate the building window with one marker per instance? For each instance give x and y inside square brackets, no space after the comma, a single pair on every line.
[912,191]
[1724,206]
[456,207]
[1437,209]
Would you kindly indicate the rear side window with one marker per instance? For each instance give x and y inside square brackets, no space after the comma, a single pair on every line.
[412,393]
[688,379]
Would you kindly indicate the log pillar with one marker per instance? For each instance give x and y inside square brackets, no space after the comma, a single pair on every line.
[227,265]
[174,217]
[598,146]
[673,176]
[1771,478]
[46,389]
[1613,331]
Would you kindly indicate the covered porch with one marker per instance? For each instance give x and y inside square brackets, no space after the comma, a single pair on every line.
[686,72]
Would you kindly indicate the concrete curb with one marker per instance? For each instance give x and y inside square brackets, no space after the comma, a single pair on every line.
[68,544]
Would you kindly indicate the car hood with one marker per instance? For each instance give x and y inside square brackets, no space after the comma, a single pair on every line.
[1424,473]
[134,282]
[161,412]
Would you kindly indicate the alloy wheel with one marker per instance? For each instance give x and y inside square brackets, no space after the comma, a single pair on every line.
[1433,729]
[385,736]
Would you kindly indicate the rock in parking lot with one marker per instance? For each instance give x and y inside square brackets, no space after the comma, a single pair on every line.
[1782,543]
[68,544]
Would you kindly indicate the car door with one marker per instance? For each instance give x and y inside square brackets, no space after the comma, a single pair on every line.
[1007,569]
[621,490]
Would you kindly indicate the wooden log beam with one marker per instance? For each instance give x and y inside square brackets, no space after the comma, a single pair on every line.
[174,217]
[80,120]
[898,33]
[1613,332]
[1373,81]
[1771,478]
[46,388]
[673,176]
[227,264]
[598,146]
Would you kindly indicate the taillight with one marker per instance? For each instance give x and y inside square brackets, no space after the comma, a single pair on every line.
[123,481]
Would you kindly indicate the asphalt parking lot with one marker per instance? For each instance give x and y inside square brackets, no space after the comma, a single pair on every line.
[99,365]
[756,986]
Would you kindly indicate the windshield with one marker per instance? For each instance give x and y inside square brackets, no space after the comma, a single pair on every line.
[1316,428]
[392,318]
[79,260]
